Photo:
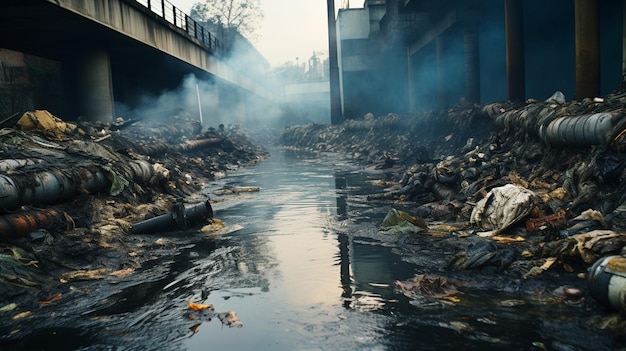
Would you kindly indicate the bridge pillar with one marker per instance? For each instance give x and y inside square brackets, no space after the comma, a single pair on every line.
[587,49]
[472,64]
[95,86]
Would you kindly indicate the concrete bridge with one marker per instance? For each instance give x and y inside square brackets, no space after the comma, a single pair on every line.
[117,50]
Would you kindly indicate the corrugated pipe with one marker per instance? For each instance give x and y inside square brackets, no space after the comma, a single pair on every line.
[198,143]
[138,170]
[48,186]
[179,219]
[579,130]
[15,226]
[14,163]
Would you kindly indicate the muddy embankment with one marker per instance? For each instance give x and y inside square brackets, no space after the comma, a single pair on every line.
[71,194]
[513,197]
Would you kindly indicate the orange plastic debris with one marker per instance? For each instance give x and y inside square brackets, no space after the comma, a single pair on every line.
[199,306]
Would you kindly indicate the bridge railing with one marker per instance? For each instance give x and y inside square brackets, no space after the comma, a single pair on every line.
[178,18]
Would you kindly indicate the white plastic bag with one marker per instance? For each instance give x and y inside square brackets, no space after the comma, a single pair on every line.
[502,207]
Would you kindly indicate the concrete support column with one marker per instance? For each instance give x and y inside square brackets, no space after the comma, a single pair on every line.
[624,42]
[472,64]
[411,81]
[515,70]
[95,86]
[336,116]
[587,49]
[440,48]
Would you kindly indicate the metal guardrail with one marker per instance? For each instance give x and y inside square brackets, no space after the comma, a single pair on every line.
[171,14]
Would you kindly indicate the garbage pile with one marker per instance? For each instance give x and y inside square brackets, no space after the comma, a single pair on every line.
[94,183]
[530,187]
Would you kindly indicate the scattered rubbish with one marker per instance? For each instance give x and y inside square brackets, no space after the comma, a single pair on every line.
[8,307]
[557,97]
[502,207]
[591,215]
[398,221]
[51,299]
[46,123]
[207,312]
[22,315]
[199,306]
[607,282]
[230,319]
[536,270]
[228,190]
[484,253]
[426,289]
[92,274]
[553,221]
[180,218]
[586,247]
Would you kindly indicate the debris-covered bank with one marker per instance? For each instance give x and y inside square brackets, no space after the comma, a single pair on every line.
[523,197]
[70,194]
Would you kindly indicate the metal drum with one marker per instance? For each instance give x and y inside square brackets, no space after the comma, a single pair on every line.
[607,282]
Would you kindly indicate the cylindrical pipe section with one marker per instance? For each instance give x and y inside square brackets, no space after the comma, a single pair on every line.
[14,226]
[51,186]
[198,143]
[579,130]
[587,49]
[472,68]
[515,70]
[180,218]
[607,282]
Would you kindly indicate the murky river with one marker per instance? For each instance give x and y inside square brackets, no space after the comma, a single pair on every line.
[304,266]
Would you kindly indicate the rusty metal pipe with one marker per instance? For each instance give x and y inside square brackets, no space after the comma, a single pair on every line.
[180,218]
[14,226]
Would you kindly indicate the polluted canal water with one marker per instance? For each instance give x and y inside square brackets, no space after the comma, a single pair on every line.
[302,265]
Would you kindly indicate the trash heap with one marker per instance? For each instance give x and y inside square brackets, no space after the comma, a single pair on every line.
[529,187]
[92,182]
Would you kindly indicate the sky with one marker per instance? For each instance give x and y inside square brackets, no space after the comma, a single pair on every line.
[290,28]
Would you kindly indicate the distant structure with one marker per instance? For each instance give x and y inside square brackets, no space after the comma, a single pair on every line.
[411,55]
[306,96]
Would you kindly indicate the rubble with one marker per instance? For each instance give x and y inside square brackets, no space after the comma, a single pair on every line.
[72,193]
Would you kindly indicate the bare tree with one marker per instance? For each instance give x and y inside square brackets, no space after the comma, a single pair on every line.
[242,16]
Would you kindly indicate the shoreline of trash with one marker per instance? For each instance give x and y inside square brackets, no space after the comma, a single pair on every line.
[522,189]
